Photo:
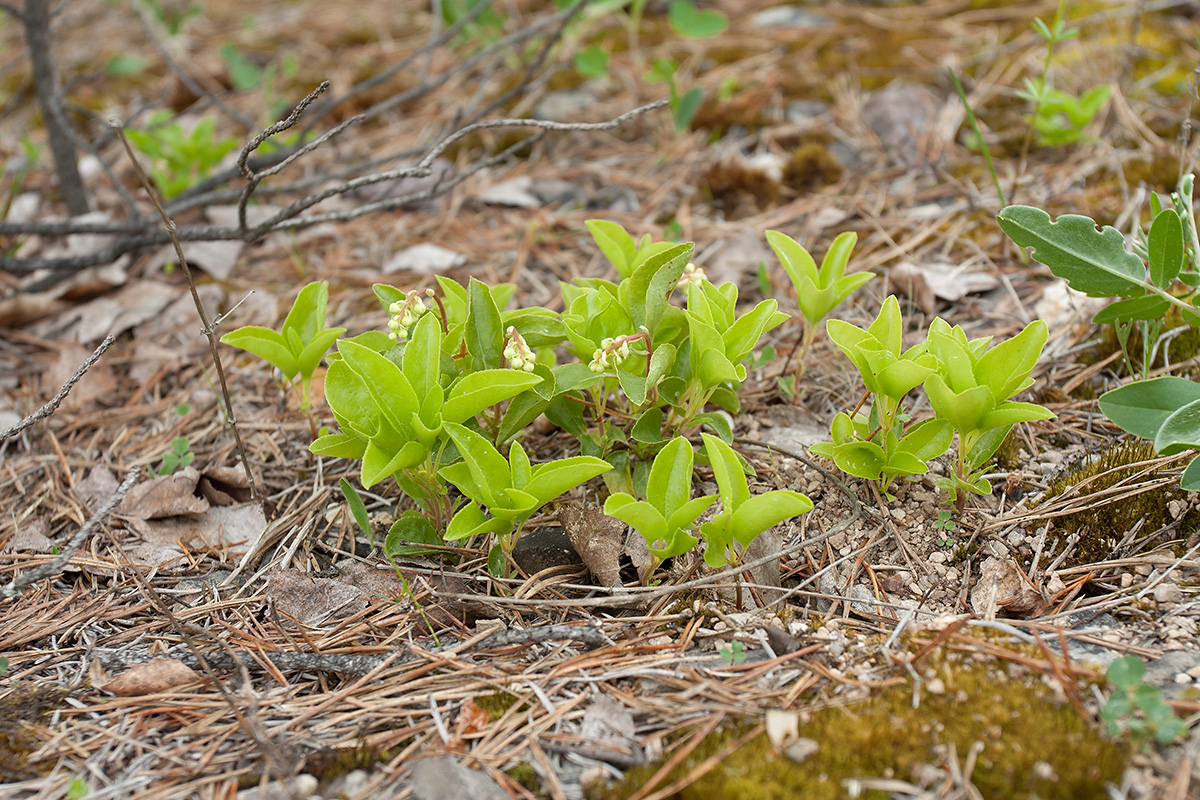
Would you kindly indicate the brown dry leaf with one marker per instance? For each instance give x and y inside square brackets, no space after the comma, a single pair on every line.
[908,279]
[30,537]
[598,538]
[386,584]
[100,382]
[159,675]
[97,487]
[233,529]
[608,720]
[311,601]
[22,309]
[471,719]
[120,311]
[215,258]
[224,486]
[165,496]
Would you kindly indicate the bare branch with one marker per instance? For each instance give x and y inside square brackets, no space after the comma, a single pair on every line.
[47,410]
[13,11]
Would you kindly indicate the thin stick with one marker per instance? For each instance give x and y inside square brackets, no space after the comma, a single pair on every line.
[209,329]
[50,407]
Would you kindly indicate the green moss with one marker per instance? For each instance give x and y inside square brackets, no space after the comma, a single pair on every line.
[1101,526]
[527,776]
[335,762]
[20,710]
[496,704]
[811,166]
[1034,746]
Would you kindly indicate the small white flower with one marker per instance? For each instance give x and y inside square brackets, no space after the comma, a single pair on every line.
[691,274]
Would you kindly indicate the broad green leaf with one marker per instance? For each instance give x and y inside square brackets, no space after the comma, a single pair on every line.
[1092,261]
[616,244]
[764,511]
[670,483]
[385,382]
[741,338]
[555,477]
[687,513]
[676,544]
[338,445]
[639,515]
[488,470]
[719,424]
[574,377]
[1011,412]
[1006,366]
[1143,406]
[411,534]
[633,385]
[350,400]
[796,261]
[727,469]
[1190,482]
[484,331]
[267,344]
[307,315]
[648,428]
[1126,672]
[687,21]
[837,258]
[516,504]
[540,327]
[861,459]
[1151,306]
[423,356]
[686,107]
[1180,431]
[380,462]
[928,440]
[314,351]
[888,327]
[964,410]
[649,288]
[1165,245]
[522,410]
[519,469]
[470,520]
[479,390]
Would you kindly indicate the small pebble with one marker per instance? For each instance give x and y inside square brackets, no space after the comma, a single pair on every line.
[801,750]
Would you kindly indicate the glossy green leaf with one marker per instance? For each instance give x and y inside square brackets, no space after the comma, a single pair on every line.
[1190,481]
[1006,367]
[357,508]
[267,344]
[616,244]
[385,382]
[470,520]
[1149,307]
[381,462]
[484,331]
[964,410]
[1166,248]
[763,512]
[718,423]
[338,445]
[1180,431]
[1011,412]
[310,357]
[837,258]
[690,22]
[520,470]
[351,401]
[670,482]
[648,428]
[307,315]
[1092,261]
[555,477]
[651,284]
[479,390]
[639,515]
[423,356]
[727,469]
[1143,406]
[486,471]
[741,339]
[411,534]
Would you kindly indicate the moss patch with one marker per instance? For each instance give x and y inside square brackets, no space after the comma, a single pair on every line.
[1034,745]
[1101,527]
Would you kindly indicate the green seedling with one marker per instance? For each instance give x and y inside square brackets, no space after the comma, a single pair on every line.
[510,489]
[1060,118]
[683,105]
[669,511]
[591,62]
[179,159]
[298,347]
[1164,410]
[742,517]
[818,291]
[689,22]
[734,652]
[971,391]
[1138,708]
[178,457]
[877,446]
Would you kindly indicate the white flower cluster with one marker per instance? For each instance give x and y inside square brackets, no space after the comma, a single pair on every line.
[517,351]
[607,356]
[691,274]
[402,314]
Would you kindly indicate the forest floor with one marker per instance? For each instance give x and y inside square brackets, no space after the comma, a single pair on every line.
[203,645]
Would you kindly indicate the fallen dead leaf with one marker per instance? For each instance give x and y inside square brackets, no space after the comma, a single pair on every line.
[159,675]
[165,496]
[311,601]
[598,538]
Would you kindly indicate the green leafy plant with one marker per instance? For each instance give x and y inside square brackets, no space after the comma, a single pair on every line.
[1136,707]
[683,105]
[735,652]
[818,291]
[510,489]
[1158,276]
[669,510]
[180,159]
[971,389]
[742,517]
[298,347]
[688,21]
[1060,118]
[878,445]
[178,457]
